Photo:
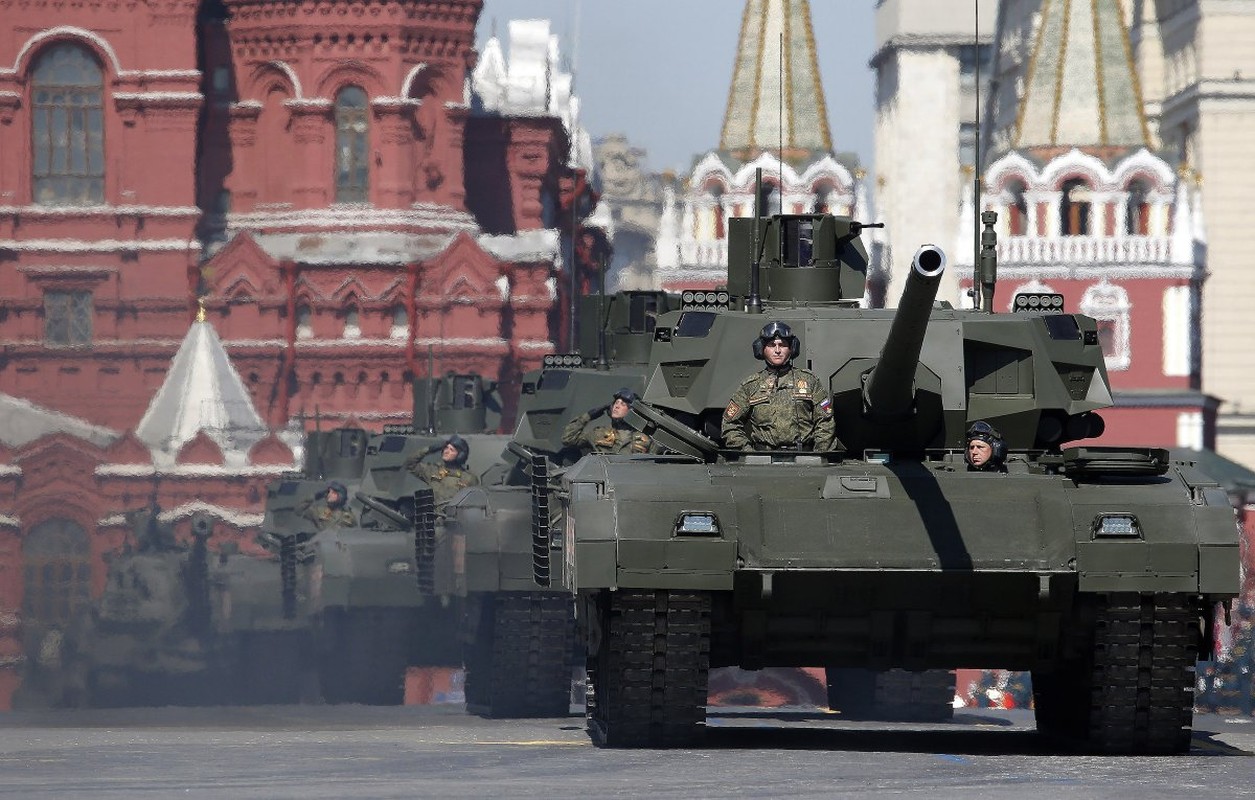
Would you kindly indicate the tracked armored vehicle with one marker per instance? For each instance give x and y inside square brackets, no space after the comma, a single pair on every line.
[353,586]
[520,634]
[1095,568]
[167,629]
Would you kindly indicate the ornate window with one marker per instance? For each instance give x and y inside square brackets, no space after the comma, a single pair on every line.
[67,128]
[351,146]
[352,323]
[304,323]
[400,322]
[1137,216]
[57,568]
[67,318]
[1074,208]
[1017,209]
[1109,306]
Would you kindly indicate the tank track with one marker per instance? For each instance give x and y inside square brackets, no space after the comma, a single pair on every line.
[519,664]
[649,669]
[1132,691]
[425,542]
[895,695]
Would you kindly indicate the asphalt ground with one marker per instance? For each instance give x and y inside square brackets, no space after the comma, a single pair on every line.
[313,752]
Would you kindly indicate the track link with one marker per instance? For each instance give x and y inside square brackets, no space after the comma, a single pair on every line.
[649,669]
[1133,692]
[519,665]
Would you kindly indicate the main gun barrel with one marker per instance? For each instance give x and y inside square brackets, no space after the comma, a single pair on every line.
[890,389]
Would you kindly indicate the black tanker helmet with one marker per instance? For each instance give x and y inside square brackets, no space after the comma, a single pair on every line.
[776,330]
[462,446]
[982,431]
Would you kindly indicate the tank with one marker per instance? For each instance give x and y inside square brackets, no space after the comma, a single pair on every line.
[1096,569]
[353,586]
[519,633]
[163,633]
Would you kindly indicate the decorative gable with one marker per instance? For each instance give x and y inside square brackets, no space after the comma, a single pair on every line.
[200,450]
[271,450]
[128,449]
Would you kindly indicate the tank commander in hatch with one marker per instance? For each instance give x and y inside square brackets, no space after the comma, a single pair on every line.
[327,508]
[614,436]
[986,450]
[448,477]
[781,407]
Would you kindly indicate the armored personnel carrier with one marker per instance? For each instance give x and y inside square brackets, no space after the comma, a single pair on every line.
[520,634]
[352,583]
[1095,568]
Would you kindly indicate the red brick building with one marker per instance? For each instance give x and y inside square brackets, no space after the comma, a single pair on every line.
[320,177]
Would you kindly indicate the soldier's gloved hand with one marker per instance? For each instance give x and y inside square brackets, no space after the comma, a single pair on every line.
[594,413]
[435,448]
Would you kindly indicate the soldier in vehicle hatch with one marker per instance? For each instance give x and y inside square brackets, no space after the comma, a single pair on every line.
[448,477]
[327,508]
[985,448]
[614,436]
[781,407]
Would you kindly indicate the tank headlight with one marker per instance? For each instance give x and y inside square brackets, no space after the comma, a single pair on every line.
[400,567]
[697,523]
[1117,526]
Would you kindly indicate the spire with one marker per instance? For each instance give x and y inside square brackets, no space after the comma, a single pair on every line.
[756,108]
[202,392]
[1081,89]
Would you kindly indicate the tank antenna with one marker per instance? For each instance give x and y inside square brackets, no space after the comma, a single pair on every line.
[754,304]
[432,383]
[602,264]
[985,268]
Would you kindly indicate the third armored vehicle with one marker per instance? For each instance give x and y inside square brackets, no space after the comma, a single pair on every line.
[1096,568]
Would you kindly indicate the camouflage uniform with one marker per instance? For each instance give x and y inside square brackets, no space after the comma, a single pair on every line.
[322,515]
[445,481]
[779,411]
[607,438]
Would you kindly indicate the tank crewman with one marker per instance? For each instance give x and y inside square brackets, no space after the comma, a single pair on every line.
[781,407]
[448,477]
[327,508]
[986,451]
[615,436]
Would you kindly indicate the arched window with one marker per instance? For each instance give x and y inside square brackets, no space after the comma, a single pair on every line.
[400,322]
[1017,208]
[1109,306]
[1137,215]
[56,559]
[304,323]
[1074,208]
[352,323]
[770,199]
[716,208]
[351,146]
[67,128]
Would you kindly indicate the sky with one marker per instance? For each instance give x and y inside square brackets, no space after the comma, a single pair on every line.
[658,71]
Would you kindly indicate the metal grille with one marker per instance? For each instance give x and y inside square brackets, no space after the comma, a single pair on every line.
[67,128]
[351,146]
[67,318]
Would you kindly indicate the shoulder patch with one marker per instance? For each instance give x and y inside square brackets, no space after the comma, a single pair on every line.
[825,406]
[732,410]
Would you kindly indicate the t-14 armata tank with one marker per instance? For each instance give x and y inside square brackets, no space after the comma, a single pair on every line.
[520,621]
[1095,568]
